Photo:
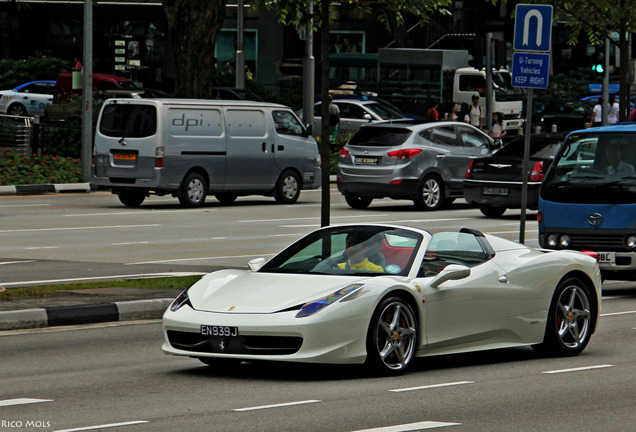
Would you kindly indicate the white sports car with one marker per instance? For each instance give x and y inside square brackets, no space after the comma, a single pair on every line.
[384,294]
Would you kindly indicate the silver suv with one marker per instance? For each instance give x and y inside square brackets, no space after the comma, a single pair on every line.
[425,162]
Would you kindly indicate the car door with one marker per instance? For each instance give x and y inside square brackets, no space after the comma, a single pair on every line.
[450,156]
[352,117]
[36,96]
[467,311]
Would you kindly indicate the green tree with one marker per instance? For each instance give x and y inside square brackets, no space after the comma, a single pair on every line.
[596,19]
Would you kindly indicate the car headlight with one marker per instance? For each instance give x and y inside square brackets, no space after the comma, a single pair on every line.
[181,300]
[564,241]
[631,242]
[316,306]
[552,240]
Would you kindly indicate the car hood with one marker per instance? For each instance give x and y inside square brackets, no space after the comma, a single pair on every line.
[244,291]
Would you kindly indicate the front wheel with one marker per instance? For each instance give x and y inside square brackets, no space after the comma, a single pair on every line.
[392,337]
[17,110]
[570,320]
[358,202]
[193,190]
[287,188]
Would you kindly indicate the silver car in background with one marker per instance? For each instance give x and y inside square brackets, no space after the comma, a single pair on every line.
[424,162]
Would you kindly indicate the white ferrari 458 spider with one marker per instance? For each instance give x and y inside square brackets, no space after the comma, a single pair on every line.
[383,295]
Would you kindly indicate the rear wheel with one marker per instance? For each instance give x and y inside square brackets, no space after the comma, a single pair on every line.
[570,320]
[287,188]
[193,190]
[17,110]
[358,202]
[492,211]
[392,337]
[430,194]
[131,198]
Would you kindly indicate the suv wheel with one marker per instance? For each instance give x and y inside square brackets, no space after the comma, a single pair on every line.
[357,202]
[430,194]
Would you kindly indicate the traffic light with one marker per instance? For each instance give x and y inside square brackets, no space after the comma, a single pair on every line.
[598,59]
[598,68]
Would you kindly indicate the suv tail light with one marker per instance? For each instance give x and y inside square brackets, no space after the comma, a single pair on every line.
[404,154]
[343,152]
[536,175]
[469,170]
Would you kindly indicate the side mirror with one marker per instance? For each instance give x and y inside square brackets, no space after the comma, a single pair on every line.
[309,130]
[450,272]
[368,117]
[256,264]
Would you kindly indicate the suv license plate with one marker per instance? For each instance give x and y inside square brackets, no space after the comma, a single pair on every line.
[366,160]
[223,331]
[607,257]
[502,191]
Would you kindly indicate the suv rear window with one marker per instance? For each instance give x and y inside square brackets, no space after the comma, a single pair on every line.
[538,149]
[130,121]
[380,136]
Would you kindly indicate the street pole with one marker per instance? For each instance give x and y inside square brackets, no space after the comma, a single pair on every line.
[605,101]
[524,169]
[87,97]
[309,71]
[240,52]
[324,114]
[489,90]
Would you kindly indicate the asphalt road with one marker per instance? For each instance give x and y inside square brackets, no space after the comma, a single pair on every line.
[114,377]
[56,238]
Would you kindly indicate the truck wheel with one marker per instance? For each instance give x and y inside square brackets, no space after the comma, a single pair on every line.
[358,202]
[430,195]
[287,188]
[193,190]
[131,198]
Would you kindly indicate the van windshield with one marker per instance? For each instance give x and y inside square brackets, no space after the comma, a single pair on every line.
[593,167]
[127,120]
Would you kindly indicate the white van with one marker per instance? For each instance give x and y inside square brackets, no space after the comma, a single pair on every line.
[189,148]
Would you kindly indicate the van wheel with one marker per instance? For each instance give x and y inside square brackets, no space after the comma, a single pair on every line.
[287,188]
[131,198]
[226,198]
[430,195]
[193,191]
[358,202]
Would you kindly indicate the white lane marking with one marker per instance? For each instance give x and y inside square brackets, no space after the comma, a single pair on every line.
[41,247]
[310,217]
[431,386]
[21,401]
[200,259]
[17,262]
[510,232]
[618,313]
[104,426]
[579,369]
[129,243]
[124,276]
[276,405]
[286,235]
[410,427]
[130,213]
[432,220]
[26,205]
[79,228]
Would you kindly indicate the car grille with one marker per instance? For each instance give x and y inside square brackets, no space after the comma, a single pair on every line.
[259,345]
[599,242]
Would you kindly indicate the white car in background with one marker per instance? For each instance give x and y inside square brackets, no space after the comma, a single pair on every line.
[382,295]
[29,99]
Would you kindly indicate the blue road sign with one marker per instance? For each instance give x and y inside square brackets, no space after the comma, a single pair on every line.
[530,70]
[533,28]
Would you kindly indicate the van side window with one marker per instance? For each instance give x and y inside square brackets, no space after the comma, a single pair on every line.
[286,123]
[129,121]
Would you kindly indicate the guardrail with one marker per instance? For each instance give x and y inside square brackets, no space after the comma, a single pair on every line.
[28,136]
[16,133]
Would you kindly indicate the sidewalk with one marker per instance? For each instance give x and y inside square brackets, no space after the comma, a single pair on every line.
[84,307]
[46,188]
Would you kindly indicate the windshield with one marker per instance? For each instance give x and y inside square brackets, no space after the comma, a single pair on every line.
[504,90]
[384,111]
[350,250]
[594,167]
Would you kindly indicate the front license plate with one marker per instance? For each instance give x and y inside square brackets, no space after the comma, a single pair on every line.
[124,156]
[223,331]
[607,257]
[502,191]
[366,160]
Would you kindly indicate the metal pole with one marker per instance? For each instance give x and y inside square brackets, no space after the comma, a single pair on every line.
[524,169]
[605,102]
[87,97]
[489,87]
[309,71]
[240,53]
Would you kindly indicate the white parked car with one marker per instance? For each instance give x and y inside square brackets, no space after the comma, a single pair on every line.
[383,295]
[28,99]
